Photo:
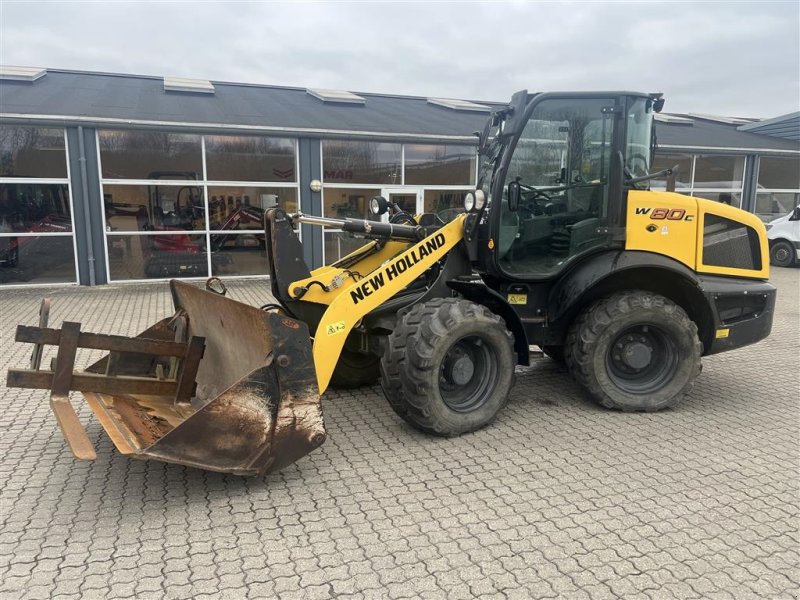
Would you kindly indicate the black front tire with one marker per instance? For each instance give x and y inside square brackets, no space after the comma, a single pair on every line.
[634,351]
[782,254]
[448,367]
[355,370]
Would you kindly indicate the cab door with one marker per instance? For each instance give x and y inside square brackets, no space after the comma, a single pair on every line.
[562,165]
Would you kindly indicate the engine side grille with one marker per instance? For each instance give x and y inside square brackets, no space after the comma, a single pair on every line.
[728,243]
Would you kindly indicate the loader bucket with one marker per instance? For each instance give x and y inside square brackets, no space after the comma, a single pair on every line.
[220,385]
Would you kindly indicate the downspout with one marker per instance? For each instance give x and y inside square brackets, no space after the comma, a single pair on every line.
[86,211]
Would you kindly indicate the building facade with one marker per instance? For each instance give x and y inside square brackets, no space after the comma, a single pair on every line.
[114,178]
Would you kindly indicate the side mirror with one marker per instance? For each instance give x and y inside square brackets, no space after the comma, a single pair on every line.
[483,136]
[514,195]
[513,122]
[671,178]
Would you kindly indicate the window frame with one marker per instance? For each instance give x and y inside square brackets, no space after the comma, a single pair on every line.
[48,181]
[202,183]
[760,190]
[380,186]
[692,190]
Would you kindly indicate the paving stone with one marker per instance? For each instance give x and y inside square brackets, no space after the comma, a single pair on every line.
[557,498]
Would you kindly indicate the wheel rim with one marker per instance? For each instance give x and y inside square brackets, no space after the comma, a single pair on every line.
[781,254]
[468,374]
[642,359]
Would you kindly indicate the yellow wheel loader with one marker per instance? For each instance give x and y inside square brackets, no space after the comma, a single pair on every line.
[562,246]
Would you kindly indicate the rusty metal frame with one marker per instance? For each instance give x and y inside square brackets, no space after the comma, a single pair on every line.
[220,385]
[62,378]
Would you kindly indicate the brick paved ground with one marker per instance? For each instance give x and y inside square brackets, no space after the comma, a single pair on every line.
[557,499]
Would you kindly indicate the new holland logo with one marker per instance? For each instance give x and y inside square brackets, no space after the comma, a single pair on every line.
[396,268]
[283,173]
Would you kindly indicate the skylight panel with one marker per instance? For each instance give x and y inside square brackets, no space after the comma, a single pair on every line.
[21,73]
[182,84]
[665,118]
[719,119]
[459,104]
[337,96]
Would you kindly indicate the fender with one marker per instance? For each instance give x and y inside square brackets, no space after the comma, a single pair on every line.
[600,274]
[479,293]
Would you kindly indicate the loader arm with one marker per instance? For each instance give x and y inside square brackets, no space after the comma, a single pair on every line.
[358,297]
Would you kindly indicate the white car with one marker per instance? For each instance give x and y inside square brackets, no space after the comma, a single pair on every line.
[784,239]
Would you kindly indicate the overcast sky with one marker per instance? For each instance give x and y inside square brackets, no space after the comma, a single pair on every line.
[729,58]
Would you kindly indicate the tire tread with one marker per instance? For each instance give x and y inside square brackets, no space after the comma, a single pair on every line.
[587,328]
[409,355]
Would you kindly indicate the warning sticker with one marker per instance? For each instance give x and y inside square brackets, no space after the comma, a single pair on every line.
[723,333]
[335,328]
[518,298]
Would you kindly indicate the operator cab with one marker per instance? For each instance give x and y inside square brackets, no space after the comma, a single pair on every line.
[560,177]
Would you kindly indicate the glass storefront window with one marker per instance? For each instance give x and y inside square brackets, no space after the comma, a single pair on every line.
[150,155]
[771,205]
[156,256]
[428,164]
[32,152]
[683,176]
[719,172]
[445,203]
[249,158]
[243,207]
[154,207]
[35,207]
[37,259]
[361,162]
[179,218]
[341,203]
[730,198]
[238,254]
[339,244]
[779,173]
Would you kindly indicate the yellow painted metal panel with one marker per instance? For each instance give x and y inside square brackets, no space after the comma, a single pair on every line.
[359,297]
[672,224]
[327,273]
[663,222]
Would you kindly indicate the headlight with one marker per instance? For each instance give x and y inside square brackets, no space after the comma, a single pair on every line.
[480,199]
[378,205]
[469,202]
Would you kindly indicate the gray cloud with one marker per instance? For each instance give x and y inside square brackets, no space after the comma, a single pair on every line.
[735,58]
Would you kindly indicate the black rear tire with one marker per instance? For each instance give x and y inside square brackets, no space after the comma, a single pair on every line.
[782,254]
[355,370]
[448,367]
[634,351]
